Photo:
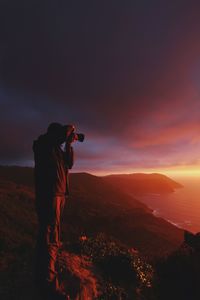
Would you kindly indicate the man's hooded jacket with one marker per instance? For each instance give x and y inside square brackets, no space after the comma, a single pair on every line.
[51,166]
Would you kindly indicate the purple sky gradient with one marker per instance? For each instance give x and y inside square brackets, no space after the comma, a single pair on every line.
[126,73]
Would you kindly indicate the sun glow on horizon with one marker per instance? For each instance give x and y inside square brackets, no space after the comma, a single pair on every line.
[172,171]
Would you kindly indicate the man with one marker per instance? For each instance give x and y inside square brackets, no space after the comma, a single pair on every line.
[51,188]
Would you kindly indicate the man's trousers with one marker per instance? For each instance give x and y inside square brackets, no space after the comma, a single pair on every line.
[49,211]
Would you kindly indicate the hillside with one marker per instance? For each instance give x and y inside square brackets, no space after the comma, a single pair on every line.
[20,175]
[99,206]
[94,206]
[139,183]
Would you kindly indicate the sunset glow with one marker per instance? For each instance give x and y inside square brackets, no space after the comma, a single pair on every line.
[133,91]
[172,172]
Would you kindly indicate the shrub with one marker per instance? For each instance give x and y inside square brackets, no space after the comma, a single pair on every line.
[123,270]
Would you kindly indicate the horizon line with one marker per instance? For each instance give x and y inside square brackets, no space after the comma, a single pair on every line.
[184,172]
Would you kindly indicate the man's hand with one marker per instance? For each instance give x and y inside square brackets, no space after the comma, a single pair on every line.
[70,136]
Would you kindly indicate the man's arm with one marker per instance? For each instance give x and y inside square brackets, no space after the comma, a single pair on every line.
[69,156]
[69,161]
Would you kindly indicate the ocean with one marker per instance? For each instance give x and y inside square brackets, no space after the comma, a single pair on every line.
[181,208]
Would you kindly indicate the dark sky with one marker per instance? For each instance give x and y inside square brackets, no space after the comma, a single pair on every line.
[126,73]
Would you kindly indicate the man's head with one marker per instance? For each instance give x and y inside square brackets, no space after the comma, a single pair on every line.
[59,132]
[54,128]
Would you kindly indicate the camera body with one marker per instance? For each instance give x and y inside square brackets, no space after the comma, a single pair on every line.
[78,136]
[73,136]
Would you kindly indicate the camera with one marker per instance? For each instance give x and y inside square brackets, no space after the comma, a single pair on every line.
[78,136]
[74,136]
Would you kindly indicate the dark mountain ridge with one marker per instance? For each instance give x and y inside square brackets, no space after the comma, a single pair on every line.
[140,183]
[154,182]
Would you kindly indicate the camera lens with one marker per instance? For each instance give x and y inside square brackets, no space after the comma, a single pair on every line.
[81,137]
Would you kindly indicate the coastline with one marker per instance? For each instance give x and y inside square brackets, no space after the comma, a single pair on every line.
[179,208]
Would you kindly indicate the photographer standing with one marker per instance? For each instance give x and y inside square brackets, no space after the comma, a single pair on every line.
[51,188]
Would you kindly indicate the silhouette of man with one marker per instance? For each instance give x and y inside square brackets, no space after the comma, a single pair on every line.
[51,188]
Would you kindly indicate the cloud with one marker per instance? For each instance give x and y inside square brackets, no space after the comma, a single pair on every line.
[127,74]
